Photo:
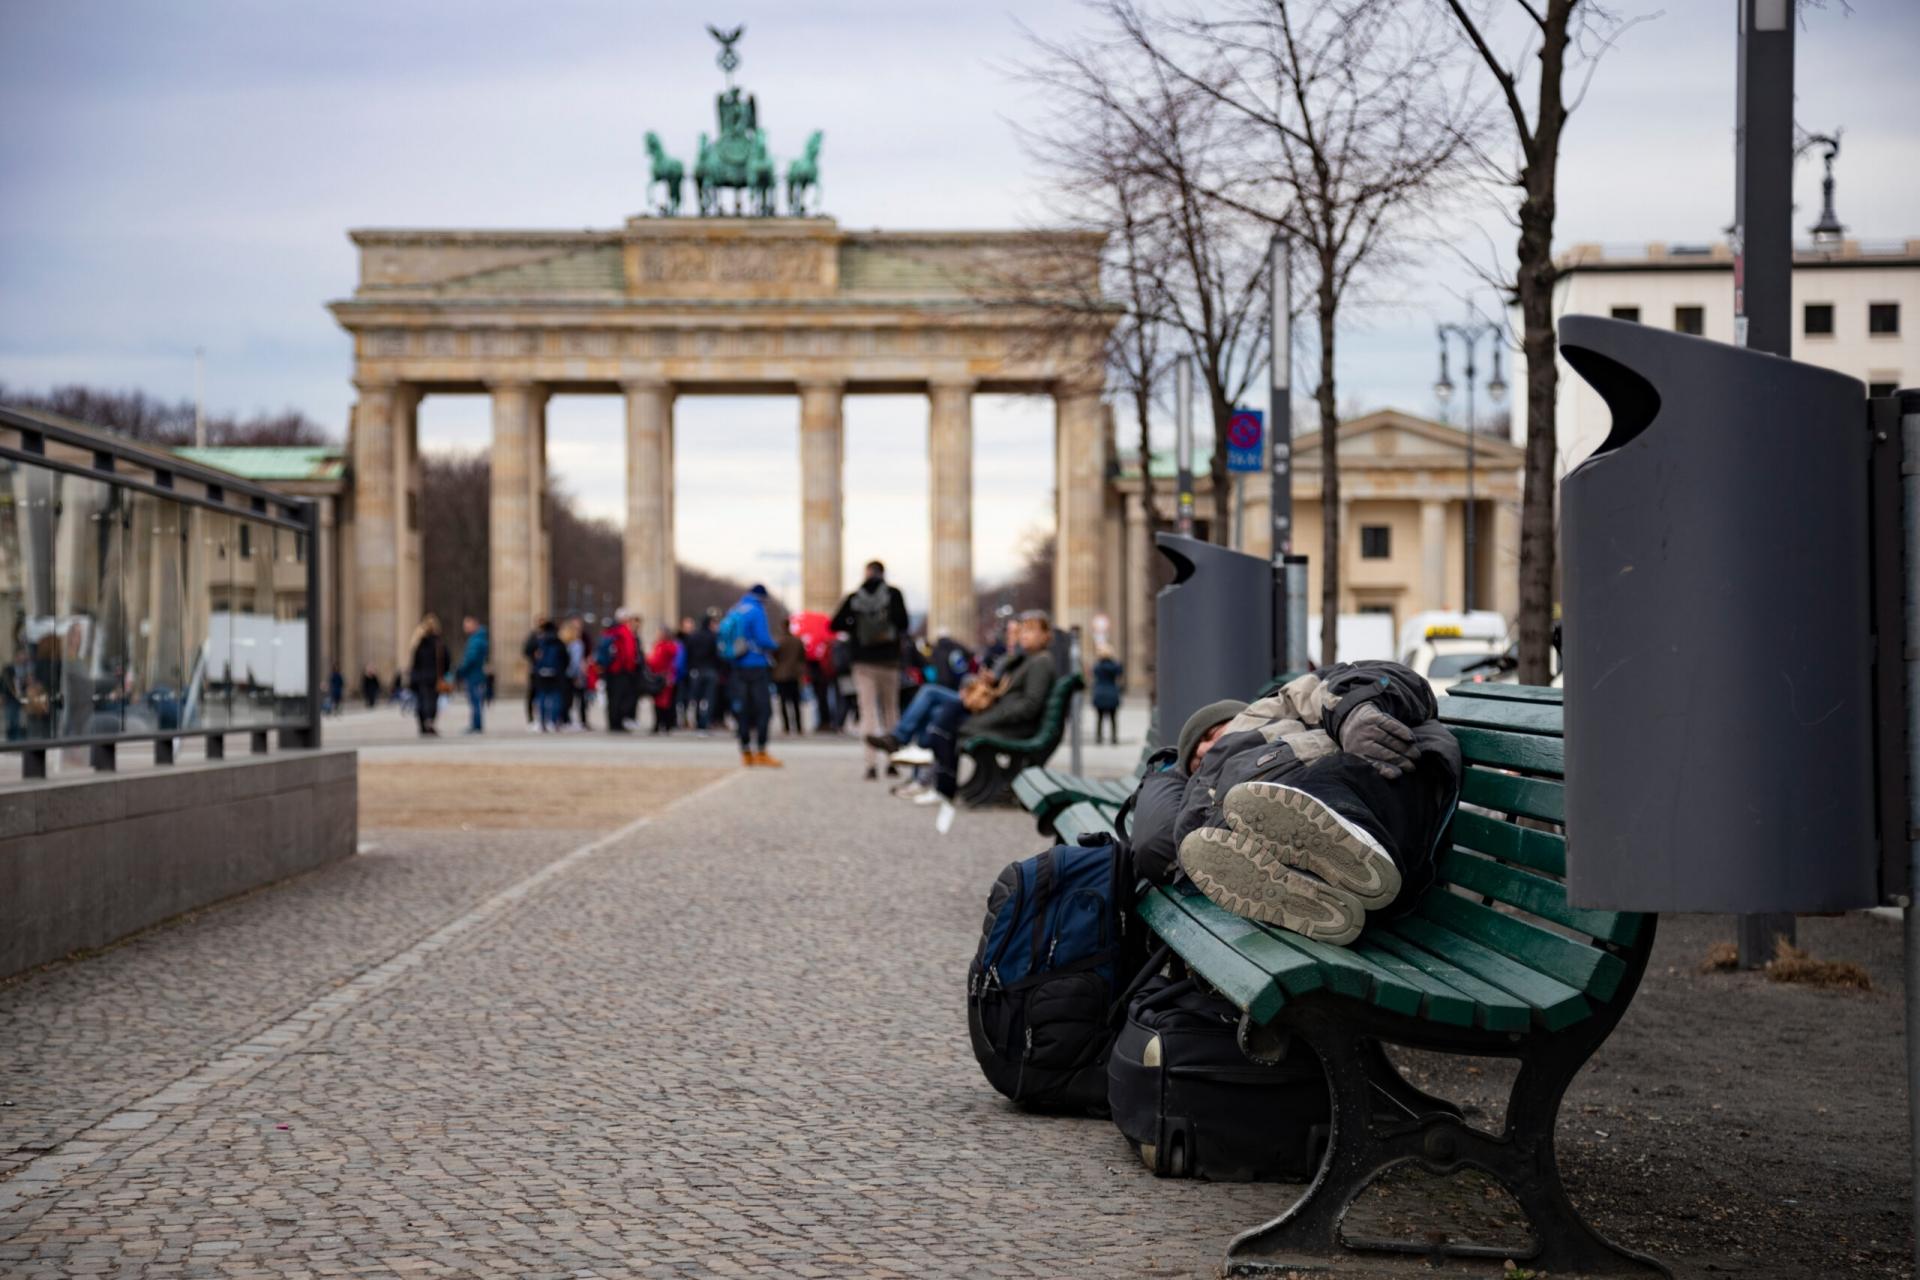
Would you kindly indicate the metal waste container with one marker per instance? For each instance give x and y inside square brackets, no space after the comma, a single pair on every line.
[1215,629]
[1717,631]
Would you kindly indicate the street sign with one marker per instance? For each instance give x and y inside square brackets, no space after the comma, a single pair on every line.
[1246,431]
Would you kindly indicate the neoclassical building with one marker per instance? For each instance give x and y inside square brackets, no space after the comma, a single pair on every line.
[669,307]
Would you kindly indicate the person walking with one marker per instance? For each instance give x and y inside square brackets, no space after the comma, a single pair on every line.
[746,644]
[1109,678]
[549,675]
[427,673]
[874,620]
[789,664]
[472,672]
[663,660]
[370,688]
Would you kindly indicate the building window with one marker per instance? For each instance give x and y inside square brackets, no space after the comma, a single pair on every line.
[1817,320]
[246,542]
[1877,390]
[1691,320]
[1626,313]
[1376,542]
[1883,318]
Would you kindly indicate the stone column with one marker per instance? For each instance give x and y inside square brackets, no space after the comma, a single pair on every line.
[513,514]
[1081,476]
[378,517]
[647,549]
[542,583]
[950,606]
[410,577]
[669,555]
[1139,611]
[1433,555]
[821,453]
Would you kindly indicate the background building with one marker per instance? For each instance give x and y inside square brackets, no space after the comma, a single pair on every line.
[1855,305]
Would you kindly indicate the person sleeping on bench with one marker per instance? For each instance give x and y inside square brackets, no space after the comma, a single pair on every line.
[1309,808]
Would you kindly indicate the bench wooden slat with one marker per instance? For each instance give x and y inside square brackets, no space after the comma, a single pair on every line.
[1493,1008]
[1438,1001]
[1359,975]
[1542,850]
[1084,818]
[1528,752]
[1556,1004]
[1506,692]
[1296,972]
[1581,965]
[1536,895]
[1496,713]
[1233,975]
[1540,798]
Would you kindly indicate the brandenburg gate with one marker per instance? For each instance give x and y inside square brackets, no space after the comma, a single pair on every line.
[666,307]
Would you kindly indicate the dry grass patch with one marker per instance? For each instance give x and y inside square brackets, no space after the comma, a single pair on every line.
[1791,964]
[512,797]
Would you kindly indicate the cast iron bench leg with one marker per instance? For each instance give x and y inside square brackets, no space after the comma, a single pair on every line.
[1362,1146]
[990,784]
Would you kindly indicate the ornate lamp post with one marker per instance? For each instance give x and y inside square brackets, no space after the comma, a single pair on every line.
[1470,335]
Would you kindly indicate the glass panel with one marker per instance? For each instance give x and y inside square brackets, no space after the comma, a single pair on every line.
[157,611]
[87,657]
[290,591]
[253,623]
[211,549]
[31,678]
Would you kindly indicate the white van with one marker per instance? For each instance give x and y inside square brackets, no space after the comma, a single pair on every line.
[1446,645]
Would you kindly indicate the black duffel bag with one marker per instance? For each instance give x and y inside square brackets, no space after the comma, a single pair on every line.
[1194,1106]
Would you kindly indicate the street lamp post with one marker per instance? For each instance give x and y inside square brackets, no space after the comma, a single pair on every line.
[1470,334]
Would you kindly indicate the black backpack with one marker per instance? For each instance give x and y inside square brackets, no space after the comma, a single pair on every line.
[1050,979]
[1194,1106]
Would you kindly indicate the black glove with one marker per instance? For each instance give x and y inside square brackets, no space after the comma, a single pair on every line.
[1380,740]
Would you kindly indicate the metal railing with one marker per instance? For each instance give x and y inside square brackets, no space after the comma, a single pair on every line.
[147,599]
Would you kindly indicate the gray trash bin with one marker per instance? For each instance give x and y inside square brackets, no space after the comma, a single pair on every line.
[1719,718]
[1215,629]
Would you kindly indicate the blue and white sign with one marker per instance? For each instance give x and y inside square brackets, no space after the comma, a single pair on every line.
[1246,432]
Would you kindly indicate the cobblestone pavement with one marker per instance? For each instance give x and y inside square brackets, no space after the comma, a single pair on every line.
[726,1040]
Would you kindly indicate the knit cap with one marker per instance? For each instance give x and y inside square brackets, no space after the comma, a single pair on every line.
[1204,719]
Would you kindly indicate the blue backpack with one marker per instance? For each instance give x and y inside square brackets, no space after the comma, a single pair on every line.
[1044,992]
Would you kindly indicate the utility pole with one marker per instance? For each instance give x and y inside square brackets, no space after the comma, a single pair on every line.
[1763,253]
[1183,444]
[1280,453]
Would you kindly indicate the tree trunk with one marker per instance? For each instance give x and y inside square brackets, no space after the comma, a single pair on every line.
[1146,665]
[1328,306]
[1217,469]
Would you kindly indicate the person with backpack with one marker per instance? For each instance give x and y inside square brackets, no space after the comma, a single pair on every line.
[874,619]
[703,673]
[746,643]
[662,661]
[550,687]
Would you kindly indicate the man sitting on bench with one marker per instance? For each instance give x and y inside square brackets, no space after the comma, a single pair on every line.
[1008,703]
[1310,807]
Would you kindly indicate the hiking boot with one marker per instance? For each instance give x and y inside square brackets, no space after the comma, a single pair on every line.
[878,741]
[1305,832]
[749,759]
[766,761]
[1242,873]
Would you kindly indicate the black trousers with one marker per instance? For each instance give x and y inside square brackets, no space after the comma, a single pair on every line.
[790,721]
[1408,815]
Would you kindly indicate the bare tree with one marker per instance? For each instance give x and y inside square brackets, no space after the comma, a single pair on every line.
[1346,130]
[1139,153]
[147,419]
[1558,27]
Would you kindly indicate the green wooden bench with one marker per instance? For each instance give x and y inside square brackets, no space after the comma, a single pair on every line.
[996,760]
[1492,961]
[1044,792]
[1084,817]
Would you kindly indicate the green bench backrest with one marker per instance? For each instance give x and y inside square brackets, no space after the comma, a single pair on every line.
[1511,863]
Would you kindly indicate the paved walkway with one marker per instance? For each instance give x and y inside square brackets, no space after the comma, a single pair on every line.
[723,1039]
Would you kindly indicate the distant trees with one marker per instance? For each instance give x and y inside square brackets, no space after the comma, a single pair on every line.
[148,419]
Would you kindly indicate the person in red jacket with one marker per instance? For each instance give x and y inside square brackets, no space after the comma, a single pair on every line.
[621,645]
[663,660]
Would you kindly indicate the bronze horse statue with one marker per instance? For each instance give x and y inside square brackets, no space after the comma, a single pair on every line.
[803,176]
[666,170]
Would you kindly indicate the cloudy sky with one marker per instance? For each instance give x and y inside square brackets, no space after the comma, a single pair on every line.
[182,175]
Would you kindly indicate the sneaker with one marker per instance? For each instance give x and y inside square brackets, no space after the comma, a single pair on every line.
[927,797]
[893,770]
[872,774]
[943,821]
[1242,873]
[1305,832]
[912,755]
[908,790]
[766,761]
[878,741]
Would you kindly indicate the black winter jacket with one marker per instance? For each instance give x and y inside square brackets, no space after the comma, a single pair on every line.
[1017,712]
[1269,740]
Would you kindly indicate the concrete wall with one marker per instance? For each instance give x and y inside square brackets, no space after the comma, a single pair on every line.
[87,860]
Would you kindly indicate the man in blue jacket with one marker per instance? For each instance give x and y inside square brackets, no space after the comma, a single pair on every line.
[746,644]
[472,671]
